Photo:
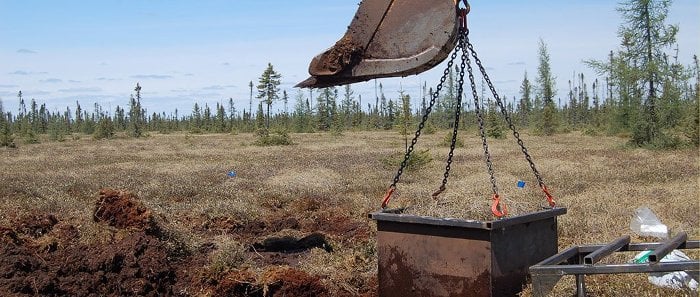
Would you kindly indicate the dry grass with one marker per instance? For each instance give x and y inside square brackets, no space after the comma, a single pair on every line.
[183,176]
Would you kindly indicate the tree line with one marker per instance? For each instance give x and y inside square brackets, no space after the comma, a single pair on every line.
[643,92]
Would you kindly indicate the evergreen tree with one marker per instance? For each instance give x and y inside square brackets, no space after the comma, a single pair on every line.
[346,106]
[494,124]
[231,114]
[196,122]
[260,124]
[646,35]
[105,127]
[548,122]
[268,89]
[525,103]
[390,117]
[249,119]
[302,114]
[78,125]
[405,120]
[136,121]
[337,125]
[220,119]
[57,128]
[6,138]
[324,103]
[691,122]
[206,119]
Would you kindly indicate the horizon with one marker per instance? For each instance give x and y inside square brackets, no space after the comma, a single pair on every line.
[183,52]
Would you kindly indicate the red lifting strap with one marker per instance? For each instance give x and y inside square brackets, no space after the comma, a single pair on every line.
[497,208]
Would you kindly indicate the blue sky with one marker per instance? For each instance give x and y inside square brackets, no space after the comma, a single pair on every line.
[183,52]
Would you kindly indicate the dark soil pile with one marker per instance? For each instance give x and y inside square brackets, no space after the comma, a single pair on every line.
[123,210]
[40,256]
[43,255]
[284,281]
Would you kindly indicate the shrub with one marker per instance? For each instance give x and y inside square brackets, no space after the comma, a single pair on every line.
[417,160]
[447,140]
[277,138]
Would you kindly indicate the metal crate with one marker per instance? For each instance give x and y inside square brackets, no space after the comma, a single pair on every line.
[427,256]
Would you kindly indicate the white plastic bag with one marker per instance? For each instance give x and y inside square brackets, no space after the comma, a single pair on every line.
[673,280]
[645,223]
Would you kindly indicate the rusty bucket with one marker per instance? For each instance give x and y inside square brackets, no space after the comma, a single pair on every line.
[427,256]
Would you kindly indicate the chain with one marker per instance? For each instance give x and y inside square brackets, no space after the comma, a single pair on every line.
[482,132]
[421,125]
[509,121]
[458,112]
[428,110]
[504,111]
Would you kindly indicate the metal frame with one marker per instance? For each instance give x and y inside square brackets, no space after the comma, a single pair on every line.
[581,261]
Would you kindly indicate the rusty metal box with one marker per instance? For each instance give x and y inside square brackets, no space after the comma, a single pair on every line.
[427,256]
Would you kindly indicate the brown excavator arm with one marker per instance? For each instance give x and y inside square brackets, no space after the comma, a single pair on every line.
[388,38]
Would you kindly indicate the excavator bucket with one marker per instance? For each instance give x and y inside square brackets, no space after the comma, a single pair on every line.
[388,38]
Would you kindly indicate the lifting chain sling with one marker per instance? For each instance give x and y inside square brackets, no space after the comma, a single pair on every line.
[465,47]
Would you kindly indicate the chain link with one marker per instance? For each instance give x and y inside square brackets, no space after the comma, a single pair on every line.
[504,111]
[465,47]
[482,132]
[428,110]
[458,112]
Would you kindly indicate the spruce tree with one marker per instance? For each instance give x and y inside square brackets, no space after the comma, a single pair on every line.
[104,128]
[57,129]
[260,124]
[494,124]
[646,35]
[525,103]
[548,122]
[136,122]
[6,138]
[268,89]
[301,114]
[196,119]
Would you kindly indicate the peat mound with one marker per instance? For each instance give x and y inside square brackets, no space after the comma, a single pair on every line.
[274,282]
[286,281]
[124,210]
[41,256]
[138,264]
[36,225]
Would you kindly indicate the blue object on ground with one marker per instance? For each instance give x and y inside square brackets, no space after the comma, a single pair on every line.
[231,173]
[521,184]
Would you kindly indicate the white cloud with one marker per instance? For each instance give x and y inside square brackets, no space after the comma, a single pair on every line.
[22,72]
[151,76]
[215,87]
[81,90]
[25,51]
[51,80]
[19,72]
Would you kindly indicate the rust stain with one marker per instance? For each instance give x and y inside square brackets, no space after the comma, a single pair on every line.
[400,278]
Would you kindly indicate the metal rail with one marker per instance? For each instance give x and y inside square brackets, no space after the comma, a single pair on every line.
[600,253]
[581,261]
